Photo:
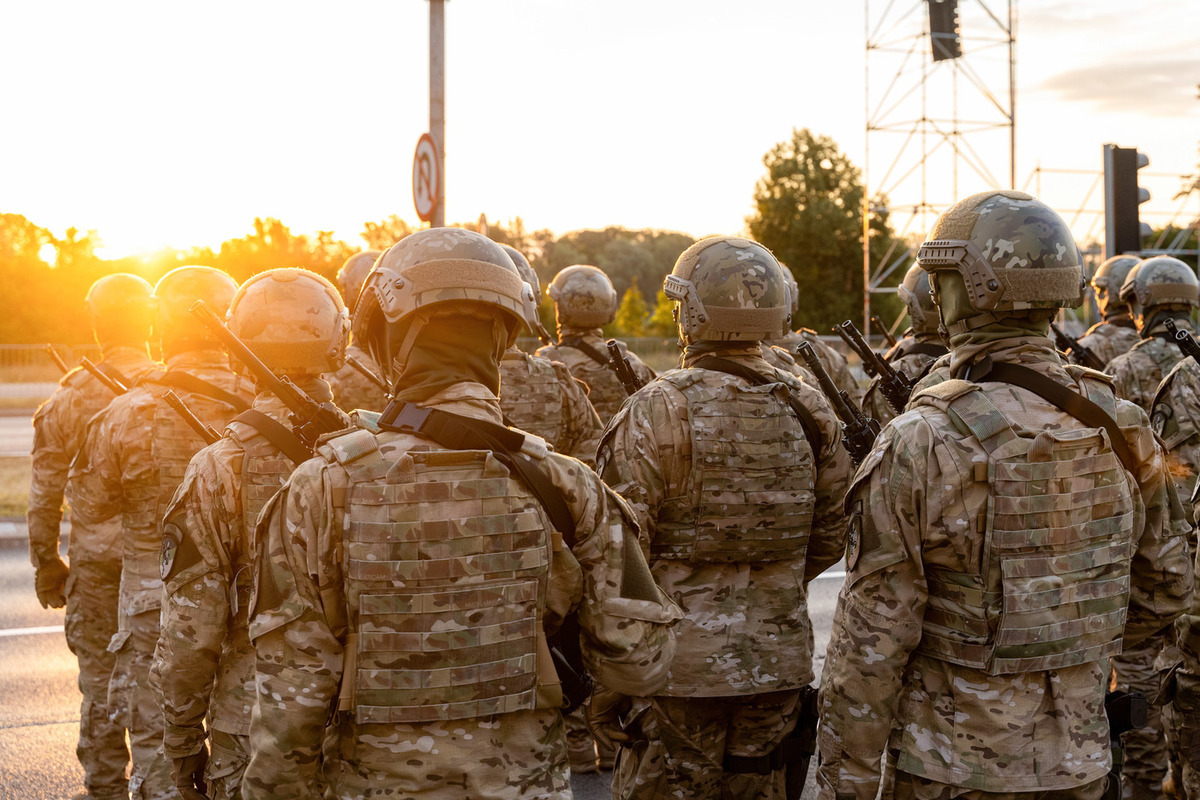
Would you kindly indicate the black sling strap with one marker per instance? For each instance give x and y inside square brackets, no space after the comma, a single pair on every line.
[927,349]
[812,431]
[1059,396]
[583,347]
[456,432]
[284,439]
[114,373]
[190,383]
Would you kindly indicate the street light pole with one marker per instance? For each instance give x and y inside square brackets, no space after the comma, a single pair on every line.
[437,99]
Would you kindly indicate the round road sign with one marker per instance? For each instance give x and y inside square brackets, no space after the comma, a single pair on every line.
[426,178]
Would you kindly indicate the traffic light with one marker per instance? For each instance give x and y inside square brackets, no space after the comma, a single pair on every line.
[943,29]
[1123,231]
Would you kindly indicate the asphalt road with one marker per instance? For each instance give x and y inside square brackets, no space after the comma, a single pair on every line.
[39,700]
[16,434]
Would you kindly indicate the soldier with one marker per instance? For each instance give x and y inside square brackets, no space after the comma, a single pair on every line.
[584,299]
[1157,289]
[540,396]
[1116,332]
[830,357]
[921,345]
[1000,542]
[120,309]
[735,473]
[406,578]
[133,458]
[296,323]
[352,389]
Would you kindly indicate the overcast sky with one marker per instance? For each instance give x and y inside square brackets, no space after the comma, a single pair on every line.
[176,124]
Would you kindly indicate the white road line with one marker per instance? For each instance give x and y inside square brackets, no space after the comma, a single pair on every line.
[32,631]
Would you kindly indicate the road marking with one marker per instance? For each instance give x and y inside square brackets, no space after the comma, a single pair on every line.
[32,631]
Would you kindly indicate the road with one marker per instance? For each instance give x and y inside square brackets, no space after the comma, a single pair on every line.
[39,700]
[16,434]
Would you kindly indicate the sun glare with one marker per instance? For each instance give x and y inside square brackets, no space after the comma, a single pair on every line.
[48,253]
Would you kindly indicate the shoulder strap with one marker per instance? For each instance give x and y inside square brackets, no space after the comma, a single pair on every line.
[190,383]
[114,373]
[927,349]
[585,348]
[284,439]
[812,431]
[1064,399]
[456,432]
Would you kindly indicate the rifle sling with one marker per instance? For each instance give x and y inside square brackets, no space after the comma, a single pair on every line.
[284,439]
[812,431]
[927,349]
[190,383]
[1062,398]
[456,432]
[114,373]
[591,352]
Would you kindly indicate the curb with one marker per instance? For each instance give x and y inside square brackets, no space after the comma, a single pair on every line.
[14,533]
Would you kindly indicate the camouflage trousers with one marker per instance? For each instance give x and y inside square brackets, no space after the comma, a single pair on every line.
[682,743]
[91,620]
[133,698]
[1186,712]
[1145,748]
[228,756]
[582,748]
[914,787]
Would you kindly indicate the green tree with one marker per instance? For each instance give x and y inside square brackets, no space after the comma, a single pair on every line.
[625,255]
[662,320]
[630,319]
[385,233]
[808,211]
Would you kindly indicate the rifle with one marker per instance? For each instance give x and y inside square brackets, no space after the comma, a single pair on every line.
[877,322]
[310,419]
[206,432]
[895,386]
[369,374]
[867,366]
[1184,340]
[858,430]
[57,359]
[110,383]
[1078,353]
[620,365]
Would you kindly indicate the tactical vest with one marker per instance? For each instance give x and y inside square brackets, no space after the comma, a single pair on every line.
[531,396]
[604,387]
[446,558]
[1057,533]
[750,493]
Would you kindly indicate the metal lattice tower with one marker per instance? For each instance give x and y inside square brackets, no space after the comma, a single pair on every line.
[936,130]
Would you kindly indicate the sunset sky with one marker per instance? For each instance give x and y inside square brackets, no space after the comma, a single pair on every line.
[176,124]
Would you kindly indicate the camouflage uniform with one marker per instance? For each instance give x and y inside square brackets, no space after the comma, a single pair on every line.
[300,629]
[745,646]
[540,396]
[204,664]
[604,388]
[1111,337]
[1138,372]
[832,359]
[913,357]
[95,557]
[352,389]
[134,457]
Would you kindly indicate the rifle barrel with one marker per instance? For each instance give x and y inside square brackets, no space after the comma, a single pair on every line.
[57,359]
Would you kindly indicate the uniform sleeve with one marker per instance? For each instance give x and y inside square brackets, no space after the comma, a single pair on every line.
[298,645]
[827,542]
[56,439]
[1160,572]
[97,477]
[878,619]
[196,611]
[626,619]
[583,425]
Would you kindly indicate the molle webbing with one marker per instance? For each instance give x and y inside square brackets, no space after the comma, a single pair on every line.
[750,493]
[1057,531]
[531,396]
[468,546]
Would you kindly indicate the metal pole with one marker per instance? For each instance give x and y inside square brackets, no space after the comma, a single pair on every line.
[866,171]
[437,100]
[1012,98]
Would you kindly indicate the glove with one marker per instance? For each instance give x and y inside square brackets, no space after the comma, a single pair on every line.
[188,775]
[603,716]
[51,582]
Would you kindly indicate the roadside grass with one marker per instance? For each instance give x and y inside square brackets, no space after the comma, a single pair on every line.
[14,485]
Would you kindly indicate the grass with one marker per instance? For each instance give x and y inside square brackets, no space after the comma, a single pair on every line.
[14,486]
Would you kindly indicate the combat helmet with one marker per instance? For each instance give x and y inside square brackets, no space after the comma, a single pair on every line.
[293,319]
[178,329]
[729,289]
[432,272]
[583,297]
[121,307]
[352,274]
[1161,283]
[914,291]
[1014,255]
[1107,282]
[535,287]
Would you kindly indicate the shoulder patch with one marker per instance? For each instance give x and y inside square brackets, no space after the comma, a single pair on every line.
[349,447]
[854,535]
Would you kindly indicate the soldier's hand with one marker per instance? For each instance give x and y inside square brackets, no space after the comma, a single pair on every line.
[51,583]
[188,775]
[603,715]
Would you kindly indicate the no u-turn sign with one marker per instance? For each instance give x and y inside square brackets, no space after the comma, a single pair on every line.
[426,178]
